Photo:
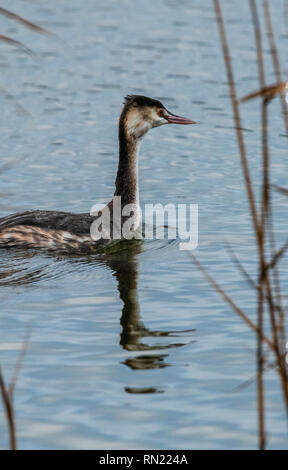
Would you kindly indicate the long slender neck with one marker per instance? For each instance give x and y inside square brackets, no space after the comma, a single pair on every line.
[127,175]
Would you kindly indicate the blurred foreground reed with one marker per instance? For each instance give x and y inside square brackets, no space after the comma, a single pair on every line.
[7,391]
[267,285]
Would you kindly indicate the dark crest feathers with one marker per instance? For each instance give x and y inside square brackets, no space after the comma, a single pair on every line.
[140,100]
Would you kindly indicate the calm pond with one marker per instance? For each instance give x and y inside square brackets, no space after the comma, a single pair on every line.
[135,349]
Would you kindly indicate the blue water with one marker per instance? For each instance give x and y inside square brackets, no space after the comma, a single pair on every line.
[134,350]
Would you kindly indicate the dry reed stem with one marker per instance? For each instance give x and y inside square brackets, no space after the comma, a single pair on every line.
[8,391]
[249,279]
[230,302]
[277,330]
[257,226]
[13,42]
[267,92]
[9,411]
[275,59]
[28,24]
[236,114]
[260,309]
[265,292]
[277,256]
[281,190]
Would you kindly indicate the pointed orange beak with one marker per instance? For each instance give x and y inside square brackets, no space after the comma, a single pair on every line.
[173,119]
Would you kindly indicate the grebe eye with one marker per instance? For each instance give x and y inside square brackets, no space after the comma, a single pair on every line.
[160,113]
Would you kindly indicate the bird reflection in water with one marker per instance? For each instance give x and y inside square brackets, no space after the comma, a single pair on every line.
[135,336]
[123,261]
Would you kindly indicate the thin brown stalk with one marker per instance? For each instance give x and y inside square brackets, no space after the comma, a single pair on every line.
[277,330]
[261,74]
[258,42]
[281,190]
[249,279]
[260,367]
[230,302]
[265,291]
[266,208]
[9,411]
[247,382]
[28,24]
[264,274]
[268,92]
[275,59]
[277,256]
[275,267]
[260,310]
[236,113]
[241,268]
[8,391]
[13,42]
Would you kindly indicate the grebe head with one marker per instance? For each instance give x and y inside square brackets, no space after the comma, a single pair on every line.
[140,114]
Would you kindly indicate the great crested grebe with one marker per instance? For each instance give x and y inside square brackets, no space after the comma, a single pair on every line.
[68,232]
